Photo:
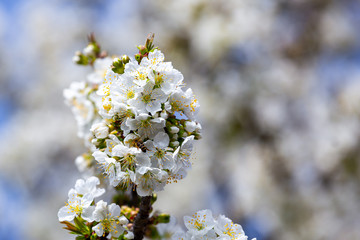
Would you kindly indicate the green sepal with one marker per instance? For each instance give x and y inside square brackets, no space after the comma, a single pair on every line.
[71,227]
[79,222]
[80,238]
[161,218]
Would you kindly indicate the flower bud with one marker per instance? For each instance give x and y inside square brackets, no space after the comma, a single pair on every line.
[174,129]
[142,49]
[175,136]
[100,130]
[175,143]
[118,66]
[190,126]
[125,59]
[138,57]
[164,115]
[162,218]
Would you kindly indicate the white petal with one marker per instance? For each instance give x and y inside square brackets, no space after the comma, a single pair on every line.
[87,213]
[114,210]
[87,199]
[92,181]
[98,229]
[79,186]
[65,214]
[161,140]
[153,107]
[143,192]
[143,159]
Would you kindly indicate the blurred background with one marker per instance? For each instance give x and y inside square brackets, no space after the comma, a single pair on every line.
[279,88]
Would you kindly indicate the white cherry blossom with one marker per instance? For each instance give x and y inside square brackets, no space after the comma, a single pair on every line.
[109,220]
[75,205]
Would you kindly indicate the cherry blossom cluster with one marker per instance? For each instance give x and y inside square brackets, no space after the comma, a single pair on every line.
[101,219]
[202,225]
[137,121]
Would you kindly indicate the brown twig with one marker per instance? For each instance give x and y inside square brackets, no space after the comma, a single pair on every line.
[142,218]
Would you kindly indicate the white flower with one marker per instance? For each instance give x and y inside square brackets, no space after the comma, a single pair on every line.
[155,57]
[159,151]
[109,220]
[138,72]
[129,157]
[227,230]
[183,103]
[125,89]
[177,102]
[193,108]
[100,130]
[149,99]
[146,126]
[182,154]
[200,223]
[165,77]
[75,205]
[89,186]
[149,180]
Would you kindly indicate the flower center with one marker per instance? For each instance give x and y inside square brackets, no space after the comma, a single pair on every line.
[130,94]
[145,123]
[158,79]
[159,153]
[146,98]
[76,209]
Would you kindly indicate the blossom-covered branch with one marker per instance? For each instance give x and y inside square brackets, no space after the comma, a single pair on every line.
[139,126]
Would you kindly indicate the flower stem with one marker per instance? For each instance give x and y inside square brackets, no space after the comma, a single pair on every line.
[142,218]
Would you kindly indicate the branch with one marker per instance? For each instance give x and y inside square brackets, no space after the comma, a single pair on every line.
[142,218]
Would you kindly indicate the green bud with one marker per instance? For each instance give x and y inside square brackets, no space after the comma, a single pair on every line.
[138,57]
[118,66]
[125,59]
[162,218]
[142,49]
